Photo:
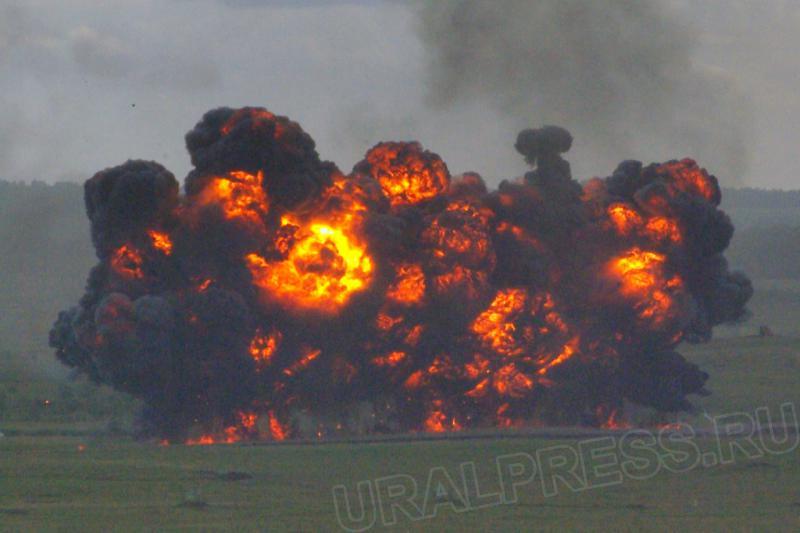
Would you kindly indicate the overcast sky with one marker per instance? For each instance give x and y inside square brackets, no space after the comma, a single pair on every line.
[86,84]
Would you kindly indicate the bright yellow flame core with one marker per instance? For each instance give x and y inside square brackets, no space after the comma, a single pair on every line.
[325,266]
[642,278]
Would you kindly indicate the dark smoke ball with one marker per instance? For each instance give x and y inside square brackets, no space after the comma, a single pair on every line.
[626,179]
[711,230]
[126,200]
[154,313]
[546,141]
[64,339]
[224,323]
[114,315]
[662,380]
[724,293]
[297,191]
[217,370]
[468,185]
[154,358]
[253,140]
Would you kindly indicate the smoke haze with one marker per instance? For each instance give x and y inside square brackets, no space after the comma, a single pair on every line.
[619,74]
[85,84]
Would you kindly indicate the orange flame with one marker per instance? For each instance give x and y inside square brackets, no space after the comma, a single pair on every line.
[127,262]
[161,241]
[277,430]
[409,287]
[391,360]
[566,353]
[688,177]
[642,279]
[406,174]
[324,268]
[438,422]
[309,355]
[204,440]
[240,195]
[627,221]
[496,327]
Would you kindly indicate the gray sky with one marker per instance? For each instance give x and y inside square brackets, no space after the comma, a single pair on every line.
[86,84]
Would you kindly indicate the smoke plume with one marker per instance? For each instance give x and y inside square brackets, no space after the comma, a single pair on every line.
[619,74]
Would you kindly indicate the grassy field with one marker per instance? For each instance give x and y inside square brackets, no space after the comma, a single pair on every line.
[47,483]
[776,303]
[61,468]
[747,373]
[54,481]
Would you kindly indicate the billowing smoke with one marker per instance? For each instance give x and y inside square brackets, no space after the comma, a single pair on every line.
[619,74]
[275,286]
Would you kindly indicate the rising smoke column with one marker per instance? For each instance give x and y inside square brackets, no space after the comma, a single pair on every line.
[276,286]
[620,74]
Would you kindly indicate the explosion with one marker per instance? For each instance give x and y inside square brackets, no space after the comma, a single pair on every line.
[323,268]
[277,297]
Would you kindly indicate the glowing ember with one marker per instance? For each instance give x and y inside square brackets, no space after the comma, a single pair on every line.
[509,381]
[308,357]
[161,241]
[392,359]
[610,418]
[438,421]
[277,430]
[127,262]
[263,347]
[386,322]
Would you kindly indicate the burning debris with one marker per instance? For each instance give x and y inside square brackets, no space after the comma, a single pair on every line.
[278,286]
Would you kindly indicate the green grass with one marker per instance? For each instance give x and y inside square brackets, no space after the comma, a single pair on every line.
[32,401]
[46,483]
[748,373]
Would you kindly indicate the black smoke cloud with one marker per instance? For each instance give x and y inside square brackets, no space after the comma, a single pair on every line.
[125,201]
[194,331]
